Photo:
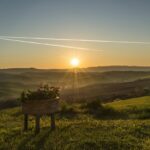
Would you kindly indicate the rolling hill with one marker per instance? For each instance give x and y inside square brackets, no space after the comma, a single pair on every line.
[110,91]
[133,102]
[106,86]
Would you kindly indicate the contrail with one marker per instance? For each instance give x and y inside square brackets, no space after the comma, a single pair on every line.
[47,44]
[77,40]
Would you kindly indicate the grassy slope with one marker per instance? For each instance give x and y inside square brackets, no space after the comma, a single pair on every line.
[133,102]
[81,132]
[134,108]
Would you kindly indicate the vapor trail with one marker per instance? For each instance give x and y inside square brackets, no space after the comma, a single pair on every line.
[47,44]
[77,40]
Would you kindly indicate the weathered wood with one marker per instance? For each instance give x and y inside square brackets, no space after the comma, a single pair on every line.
[25,122]
[53,121]
[40,107]
[37,124]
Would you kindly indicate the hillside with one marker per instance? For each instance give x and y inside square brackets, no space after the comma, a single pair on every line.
[13,81]
[138,108]
[133,102]
[82,131]
[119,68]
[111,91]
[93,69]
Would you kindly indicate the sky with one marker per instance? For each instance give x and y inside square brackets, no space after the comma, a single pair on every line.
[127,21]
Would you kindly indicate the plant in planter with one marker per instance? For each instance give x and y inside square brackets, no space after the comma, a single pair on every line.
[43,101]
[43,93]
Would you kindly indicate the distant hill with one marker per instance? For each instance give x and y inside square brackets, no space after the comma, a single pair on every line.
[110,91]
[118,68]
[95,69]
[14,80]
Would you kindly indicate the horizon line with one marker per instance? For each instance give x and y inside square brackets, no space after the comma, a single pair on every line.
[142,66]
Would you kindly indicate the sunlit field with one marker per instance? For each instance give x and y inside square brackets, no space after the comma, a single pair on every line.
[80,127]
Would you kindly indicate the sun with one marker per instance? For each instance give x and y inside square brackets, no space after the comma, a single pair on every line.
[74,62]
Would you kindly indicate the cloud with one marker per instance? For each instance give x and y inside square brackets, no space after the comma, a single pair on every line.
[46,44]
[77,40]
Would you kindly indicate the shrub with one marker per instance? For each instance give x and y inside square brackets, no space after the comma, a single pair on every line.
[98,110]
[42,93]
[67,110]
[94,105]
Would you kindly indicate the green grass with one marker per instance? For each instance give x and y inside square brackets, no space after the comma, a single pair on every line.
[80,132]
[135,108]
[136,102]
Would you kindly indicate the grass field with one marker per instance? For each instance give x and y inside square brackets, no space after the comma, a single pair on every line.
[81,130]
[134,102]
[138,108]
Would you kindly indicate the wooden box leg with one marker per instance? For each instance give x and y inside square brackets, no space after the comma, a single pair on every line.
[53,122]
[37,124]
[25,122]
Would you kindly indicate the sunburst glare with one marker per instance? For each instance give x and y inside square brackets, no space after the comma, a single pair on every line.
[75,62]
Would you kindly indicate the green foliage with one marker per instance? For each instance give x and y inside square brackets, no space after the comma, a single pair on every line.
[42,93]
[98,110]
[94,105]
[67,110]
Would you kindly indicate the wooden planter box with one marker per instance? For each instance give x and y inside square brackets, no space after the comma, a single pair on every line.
[40,107]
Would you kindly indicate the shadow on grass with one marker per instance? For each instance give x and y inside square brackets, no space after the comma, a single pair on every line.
[35,141]
[135,112]
[88,145]
[23,143]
